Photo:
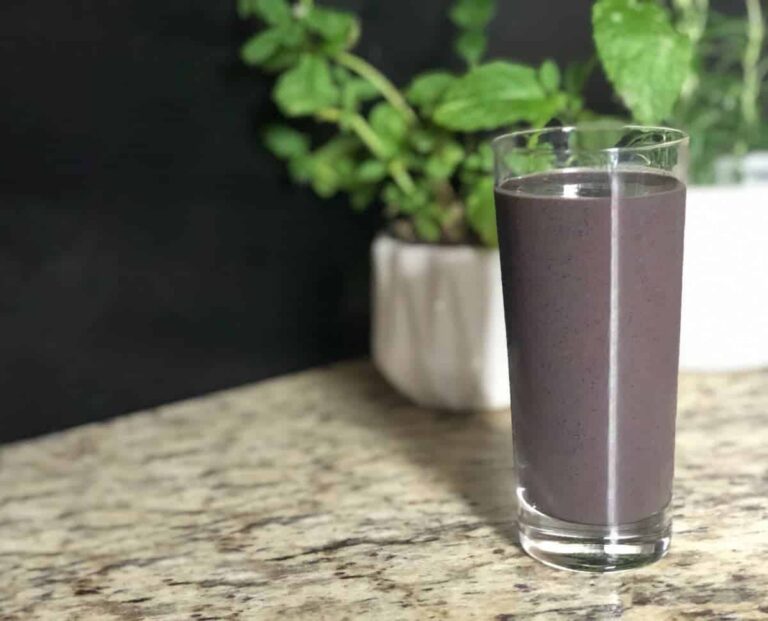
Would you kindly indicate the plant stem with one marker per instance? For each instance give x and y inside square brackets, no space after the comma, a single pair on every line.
[329,115]
[402,178]
[693,23]
[365,70]
[751,66]
[360,126]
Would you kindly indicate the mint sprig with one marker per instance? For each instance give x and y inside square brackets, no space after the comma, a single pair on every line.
[416,151]
[644,56]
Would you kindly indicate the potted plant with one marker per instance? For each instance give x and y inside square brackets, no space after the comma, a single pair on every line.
[422,153]
[705,72]
[722,106]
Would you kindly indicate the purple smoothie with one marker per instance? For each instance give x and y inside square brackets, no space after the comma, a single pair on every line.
[582,455]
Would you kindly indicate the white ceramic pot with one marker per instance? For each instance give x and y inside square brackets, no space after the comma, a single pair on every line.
[749,169]
[725,279]
[438,324]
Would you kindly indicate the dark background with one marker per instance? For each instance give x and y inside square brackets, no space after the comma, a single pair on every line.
[150,249]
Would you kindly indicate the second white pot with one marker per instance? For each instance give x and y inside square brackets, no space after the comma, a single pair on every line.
[438,324]
[725,279]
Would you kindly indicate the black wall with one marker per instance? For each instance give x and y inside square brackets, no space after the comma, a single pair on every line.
[149,248]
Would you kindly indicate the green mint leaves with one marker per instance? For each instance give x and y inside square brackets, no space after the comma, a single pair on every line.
[306,88]
[286,142]
[291,34]
[420,153]
[472,14]
[338,31]
[549,76]
[481,213]
[644,57]
[494,95]
[471,18]
[390,127]
[408,150]
[262,46]
[428,89]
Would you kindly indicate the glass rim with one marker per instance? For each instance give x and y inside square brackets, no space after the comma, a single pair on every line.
[676,137]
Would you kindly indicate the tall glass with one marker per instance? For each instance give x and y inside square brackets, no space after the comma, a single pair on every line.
[590,223]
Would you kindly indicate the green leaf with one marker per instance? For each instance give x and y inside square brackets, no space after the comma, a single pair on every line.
[361,197]
[400,202]
[371,171]
[426,90]
[300,168]
[260,47]
[281,60]
[549,75]
[306,88]
[485,151]
[526,162]
[355,91]
[443,162]
[332,167]
[391,195]
[271,11]
[286,142]
[481,160]
[423,139]
[389,125]
[328,176]
[426,227]
[644,57]
[387,121]
[481,214]
[576,74]
[494,95]
[339,30]
[470,46]
[276,48]
[609,136]
[293,35]
[472,14]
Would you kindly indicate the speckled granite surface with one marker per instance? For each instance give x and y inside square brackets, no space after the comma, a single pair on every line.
[324,495]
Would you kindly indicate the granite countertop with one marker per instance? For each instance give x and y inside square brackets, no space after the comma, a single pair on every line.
[324,495]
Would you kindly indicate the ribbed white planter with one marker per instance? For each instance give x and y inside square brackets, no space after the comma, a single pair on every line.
[725,279]
[438,324]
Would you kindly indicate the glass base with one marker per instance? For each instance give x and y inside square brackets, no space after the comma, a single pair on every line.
[593,547]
